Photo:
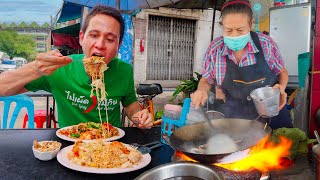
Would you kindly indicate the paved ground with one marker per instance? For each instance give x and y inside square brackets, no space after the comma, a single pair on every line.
[40,104]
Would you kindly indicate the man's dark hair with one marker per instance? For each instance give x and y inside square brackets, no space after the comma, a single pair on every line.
[105,10]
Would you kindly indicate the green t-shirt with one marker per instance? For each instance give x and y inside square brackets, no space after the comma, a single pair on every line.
[70,86]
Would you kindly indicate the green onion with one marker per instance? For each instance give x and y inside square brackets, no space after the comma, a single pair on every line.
[75,135]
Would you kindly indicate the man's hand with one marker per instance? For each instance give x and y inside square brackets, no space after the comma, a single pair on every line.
[283,95]
[47,63]
[144,119]
[199,97]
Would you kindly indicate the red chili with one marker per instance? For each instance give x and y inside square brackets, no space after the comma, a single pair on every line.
[94,104]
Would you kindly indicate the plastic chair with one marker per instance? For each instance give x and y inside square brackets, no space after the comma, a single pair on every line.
[169,125]
[21,101]
[39,118]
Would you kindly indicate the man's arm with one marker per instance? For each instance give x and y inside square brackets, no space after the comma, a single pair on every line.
[143,116]
[13,82]
[132,109]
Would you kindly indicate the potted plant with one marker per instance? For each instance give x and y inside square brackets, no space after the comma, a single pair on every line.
[186,87]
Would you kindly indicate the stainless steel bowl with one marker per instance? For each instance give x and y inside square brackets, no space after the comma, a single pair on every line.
[181,171]
[316,159]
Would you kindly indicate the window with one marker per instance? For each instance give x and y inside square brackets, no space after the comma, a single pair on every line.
[40,46]
[40,38]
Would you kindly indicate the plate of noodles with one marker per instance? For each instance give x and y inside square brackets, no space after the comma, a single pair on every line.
[102,157]
[90,131]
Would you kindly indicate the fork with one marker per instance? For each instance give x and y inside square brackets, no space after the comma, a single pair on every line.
[86,63]
[148,144]
[144,149]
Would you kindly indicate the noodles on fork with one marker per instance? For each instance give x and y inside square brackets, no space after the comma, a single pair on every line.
[95,67]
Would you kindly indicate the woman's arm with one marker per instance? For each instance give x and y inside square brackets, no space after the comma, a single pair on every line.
[283,81]
[201,94]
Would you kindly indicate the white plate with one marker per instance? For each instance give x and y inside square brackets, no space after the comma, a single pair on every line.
[63,160]
[121,134]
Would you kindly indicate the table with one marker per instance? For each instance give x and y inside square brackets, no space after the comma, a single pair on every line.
[47,95]
[17,160]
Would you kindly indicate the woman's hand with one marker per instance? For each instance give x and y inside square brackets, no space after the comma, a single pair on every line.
[143,119]
[47,63]
[199,97]
[283,95]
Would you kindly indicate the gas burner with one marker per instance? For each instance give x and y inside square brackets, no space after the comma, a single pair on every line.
[229,174]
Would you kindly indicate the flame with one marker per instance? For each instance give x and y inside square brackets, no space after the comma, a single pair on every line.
[184,157]
[265,156]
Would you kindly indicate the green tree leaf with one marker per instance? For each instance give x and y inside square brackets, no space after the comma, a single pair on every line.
[17,45]
[186,87]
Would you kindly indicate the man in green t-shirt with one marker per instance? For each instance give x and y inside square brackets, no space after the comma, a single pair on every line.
[66,78]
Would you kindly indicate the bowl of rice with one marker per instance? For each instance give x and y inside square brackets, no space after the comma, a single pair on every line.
[46,150]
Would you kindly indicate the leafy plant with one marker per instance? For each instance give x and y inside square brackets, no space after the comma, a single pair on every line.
[17,45]
[186,87]
[158,114]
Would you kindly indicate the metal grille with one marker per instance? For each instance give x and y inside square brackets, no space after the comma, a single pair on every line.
[170,48]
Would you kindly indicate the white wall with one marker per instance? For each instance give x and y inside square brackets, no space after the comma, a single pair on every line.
[203,36]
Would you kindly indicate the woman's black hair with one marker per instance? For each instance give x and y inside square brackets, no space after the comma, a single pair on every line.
[237,6]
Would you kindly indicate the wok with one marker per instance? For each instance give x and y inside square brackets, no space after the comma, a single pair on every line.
[245,134]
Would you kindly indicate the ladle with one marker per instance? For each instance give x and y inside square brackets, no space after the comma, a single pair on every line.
[317,135]
[206,117]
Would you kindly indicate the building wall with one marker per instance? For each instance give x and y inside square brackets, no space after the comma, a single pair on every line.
[202,37]
[39,35]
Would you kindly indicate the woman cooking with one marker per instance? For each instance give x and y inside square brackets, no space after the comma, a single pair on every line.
[239,62]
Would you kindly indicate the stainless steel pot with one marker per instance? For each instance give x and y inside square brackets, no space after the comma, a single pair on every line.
[245,133]
[316,159]
[180,170]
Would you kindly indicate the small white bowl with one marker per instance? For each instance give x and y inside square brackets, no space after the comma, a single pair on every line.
[47,155]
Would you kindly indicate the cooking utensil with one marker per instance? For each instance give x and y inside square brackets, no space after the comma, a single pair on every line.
[214,115]
[317,135]
[316,159]
[144,149]
[266,101]
[187,138]
[205,115]
[180,170]
[91,63]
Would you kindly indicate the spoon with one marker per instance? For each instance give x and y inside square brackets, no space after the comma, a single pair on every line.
[317,135]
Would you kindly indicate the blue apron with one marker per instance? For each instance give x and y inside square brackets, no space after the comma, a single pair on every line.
[240,81]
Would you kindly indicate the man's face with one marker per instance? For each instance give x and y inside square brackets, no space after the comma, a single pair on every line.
[101,37]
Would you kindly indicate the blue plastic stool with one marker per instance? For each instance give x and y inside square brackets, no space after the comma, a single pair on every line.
[169,125]
[21,101]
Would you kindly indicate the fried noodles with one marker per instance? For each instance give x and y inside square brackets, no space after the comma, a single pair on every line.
[104,155]
[95,67]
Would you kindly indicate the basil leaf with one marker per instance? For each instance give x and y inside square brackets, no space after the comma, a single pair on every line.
[75,135]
